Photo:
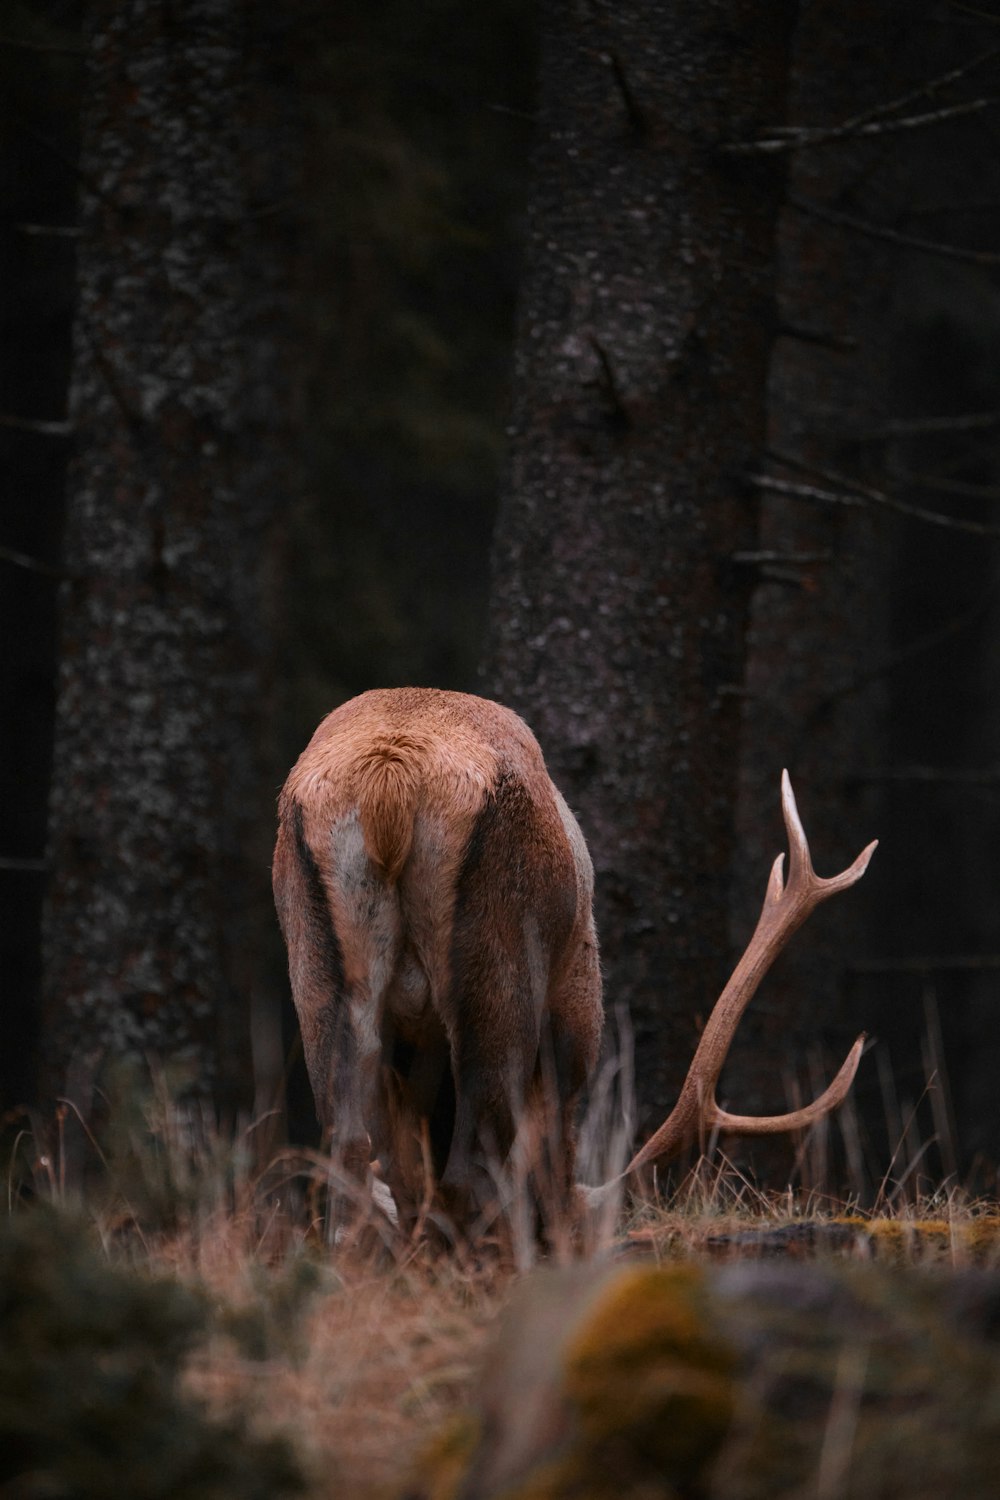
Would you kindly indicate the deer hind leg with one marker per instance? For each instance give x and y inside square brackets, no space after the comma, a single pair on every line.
[346,1057]
[514,907]
[419,1120]
[334,1049]
[492,1069]
[570,1045]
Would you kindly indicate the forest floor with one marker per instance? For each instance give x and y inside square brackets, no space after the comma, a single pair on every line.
[359,1361]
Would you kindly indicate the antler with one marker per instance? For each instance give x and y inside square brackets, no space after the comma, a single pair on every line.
[786,907]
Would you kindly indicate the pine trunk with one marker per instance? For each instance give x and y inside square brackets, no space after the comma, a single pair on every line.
[156,892]
[619,606]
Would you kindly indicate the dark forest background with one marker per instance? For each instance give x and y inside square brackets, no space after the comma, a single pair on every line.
[635,364]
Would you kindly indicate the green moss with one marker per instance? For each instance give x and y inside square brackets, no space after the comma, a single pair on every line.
[900,1241]
[883,1379]
[980,1235]
[649,1369]
[443,1462]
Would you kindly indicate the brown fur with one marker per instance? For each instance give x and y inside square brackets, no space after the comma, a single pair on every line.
[435,895]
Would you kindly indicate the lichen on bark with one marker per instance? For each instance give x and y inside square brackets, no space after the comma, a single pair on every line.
[155,887]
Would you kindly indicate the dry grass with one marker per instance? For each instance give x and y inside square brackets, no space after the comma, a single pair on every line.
[361,1358]
[379,1359]
[357,1357]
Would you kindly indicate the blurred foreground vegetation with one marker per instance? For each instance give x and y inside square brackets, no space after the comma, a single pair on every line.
[181,1326]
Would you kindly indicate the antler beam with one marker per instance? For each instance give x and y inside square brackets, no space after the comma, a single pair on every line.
[786,907]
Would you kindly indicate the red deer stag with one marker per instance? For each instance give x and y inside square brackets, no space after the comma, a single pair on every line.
[435,894]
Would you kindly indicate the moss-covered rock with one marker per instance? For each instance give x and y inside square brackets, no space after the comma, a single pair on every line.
[649,1377]
[757,1380]
[602,1383]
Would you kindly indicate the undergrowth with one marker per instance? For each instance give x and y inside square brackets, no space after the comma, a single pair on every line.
[176,1310]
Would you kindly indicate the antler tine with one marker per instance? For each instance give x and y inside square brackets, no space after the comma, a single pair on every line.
[800,859]
[786,906]
[830,1099]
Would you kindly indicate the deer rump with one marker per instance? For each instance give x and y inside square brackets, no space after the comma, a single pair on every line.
[435,894]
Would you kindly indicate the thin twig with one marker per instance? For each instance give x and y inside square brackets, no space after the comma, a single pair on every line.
[800,559]
[846,343]
[879,112]
[892,236]
[31,564]
[804,137]
[35,424]
[621,410]
[12,862]
[849,492]
[881,1196]
[803,491]
[51,231]
[929,86]
[634,111]
[976,14]
[976,421]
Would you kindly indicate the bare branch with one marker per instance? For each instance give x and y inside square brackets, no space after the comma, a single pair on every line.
[892,236]
[844,343]
[869,119]
[805,137]
[796,559]
[851,493]
[621,411]
[803,491]
[31,564]
[976,421]
[35,424]
[11,862]
[974,12]
[51,231]
[636,115]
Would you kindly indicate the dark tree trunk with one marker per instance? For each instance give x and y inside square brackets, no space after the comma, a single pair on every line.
[40,71]
[816,698]
[876,653]
[178,397]
[619,609]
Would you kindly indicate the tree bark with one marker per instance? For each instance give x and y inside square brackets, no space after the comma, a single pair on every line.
[815,700]
[178,399]
[876,654]
[619,611]
[39,110]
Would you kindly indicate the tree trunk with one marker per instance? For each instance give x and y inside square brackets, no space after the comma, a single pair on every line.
[865,657]
[815,697]
[39,111]
[156,891]
[619,607]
